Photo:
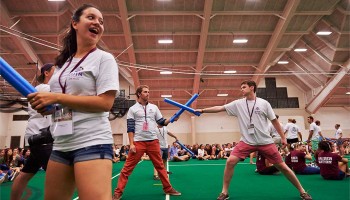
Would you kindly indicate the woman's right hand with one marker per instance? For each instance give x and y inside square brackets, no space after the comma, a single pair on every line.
[40,100]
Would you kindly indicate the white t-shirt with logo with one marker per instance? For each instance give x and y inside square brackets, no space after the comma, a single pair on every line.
[162,134]
[292,130]
[36,121]
[272,130]
[152,115]
[262,113]
[97,74]
[337,133]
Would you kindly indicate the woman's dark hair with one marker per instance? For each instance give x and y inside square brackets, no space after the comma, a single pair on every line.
[70,39]
[46,67]
[325,146]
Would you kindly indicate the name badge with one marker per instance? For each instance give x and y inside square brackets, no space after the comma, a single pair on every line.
[145,126]
[62,121]
[251,129]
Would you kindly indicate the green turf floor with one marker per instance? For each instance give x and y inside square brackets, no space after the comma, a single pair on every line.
[203,180]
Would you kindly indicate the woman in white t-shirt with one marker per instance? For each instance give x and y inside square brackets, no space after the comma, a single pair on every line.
[40,145]
[202,153]
[83,90]
[291,130]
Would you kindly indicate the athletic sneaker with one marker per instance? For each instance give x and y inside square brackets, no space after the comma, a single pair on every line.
[169,172]
[173,192]
[156,177]
[223,196]
[117,196]
[305,196]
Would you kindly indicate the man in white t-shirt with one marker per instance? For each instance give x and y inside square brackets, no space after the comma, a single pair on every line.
[313,133]
[253,115]
[162,135]
[142,121]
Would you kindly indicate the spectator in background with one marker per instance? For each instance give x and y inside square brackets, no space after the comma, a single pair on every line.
[263,166]
[162,135]
[320,136]
[174,156]
[123,153]
[116,150]
[274,134]
[339,138]
[346,147]
[227,150]
[313,133]
[202,153]
[194,149]
[298,157]
[332,165]
[291,131]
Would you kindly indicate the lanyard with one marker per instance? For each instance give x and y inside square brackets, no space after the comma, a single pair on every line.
[161,132]
[250,114]
[63,87]
[145,109]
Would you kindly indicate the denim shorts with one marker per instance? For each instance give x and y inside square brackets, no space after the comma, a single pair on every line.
[164,152]
[101,151]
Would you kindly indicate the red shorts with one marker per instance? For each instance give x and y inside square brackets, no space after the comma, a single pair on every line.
[269,151]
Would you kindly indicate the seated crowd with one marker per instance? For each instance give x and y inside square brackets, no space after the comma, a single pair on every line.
[327,158]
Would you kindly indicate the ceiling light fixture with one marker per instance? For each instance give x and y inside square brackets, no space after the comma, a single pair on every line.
[323,33]
[240,41]
[230,72]
[348,93]
[56,0]
[166,72]
[167,41]
[300,50]
[166,95]
[282,62]
[222,95]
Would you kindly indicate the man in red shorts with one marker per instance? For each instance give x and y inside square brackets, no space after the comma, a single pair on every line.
[253,114]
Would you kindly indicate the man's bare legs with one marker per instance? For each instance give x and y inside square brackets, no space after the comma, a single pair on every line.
[289,174]
[228,172]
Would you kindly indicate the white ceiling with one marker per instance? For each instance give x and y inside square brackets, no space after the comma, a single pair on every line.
[202,32]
